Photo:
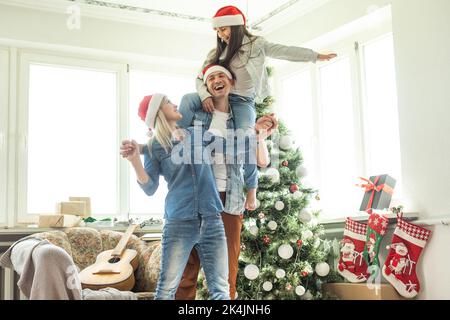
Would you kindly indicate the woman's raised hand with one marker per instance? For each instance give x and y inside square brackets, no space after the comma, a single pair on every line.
[266,125]
[129,150]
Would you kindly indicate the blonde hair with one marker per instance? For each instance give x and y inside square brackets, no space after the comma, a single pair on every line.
[162,132]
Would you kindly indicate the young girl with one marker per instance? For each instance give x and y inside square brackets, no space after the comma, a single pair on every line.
[245,55]
[192,206]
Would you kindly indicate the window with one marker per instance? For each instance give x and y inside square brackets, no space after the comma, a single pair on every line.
[337,123]
[4,92]
[380,101]
[141,84]
[296,100]
[338,162]
[72,136]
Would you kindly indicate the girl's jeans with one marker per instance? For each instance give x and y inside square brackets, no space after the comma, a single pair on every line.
[207,236]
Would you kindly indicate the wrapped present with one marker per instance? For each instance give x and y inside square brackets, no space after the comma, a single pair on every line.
[87,200]
[58,221]
[76,208]
[378,192]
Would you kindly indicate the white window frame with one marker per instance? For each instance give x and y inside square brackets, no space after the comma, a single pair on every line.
[4,102]
[27,58]
[345,47]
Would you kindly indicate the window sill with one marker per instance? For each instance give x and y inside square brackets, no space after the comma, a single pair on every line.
[23,230]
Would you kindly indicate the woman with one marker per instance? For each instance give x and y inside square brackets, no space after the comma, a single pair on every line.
[192,207]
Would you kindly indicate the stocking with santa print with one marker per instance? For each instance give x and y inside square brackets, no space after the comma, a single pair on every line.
[376,229]
[351,262]
[399,269]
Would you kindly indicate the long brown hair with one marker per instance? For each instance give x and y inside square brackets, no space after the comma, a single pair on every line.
[234,45]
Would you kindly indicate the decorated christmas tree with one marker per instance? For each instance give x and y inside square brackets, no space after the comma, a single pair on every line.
[283,252]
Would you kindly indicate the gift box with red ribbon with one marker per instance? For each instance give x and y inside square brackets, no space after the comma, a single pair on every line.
[378,192]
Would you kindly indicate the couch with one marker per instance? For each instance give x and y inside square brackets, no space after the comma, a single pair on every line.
[84,244]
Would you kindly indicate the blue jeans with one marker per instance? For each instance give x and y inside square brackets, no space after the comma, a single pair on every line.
[207,236]
[243,110]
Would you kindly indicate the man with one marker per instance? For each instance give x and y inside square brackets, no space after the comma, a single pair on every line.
[219,82]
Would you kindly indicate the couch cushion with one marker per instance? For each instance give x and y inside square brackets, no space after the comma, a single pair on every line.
[58,238]
[86,244]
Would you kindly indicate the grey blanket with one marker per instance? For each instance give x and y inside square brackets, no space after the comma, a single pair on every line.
[47,272]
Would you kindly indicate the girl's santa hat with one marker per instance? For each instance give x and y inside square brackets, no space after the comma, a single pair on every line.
[228,16]
[148,108]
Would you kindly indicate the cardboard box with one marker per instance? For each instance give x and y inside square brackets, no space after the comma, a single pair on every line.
[361,291]
[87,200]
[58,221]
[77,208]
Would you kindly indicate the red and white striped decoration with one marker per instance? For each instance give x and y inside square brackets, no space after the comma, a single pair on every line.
[413,230]
[355,226]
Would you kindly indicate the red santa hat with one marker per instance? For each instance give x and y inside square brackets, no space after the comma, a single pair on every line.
[211,68]
[148,108]
[228,16]
[346,240]
[372,238]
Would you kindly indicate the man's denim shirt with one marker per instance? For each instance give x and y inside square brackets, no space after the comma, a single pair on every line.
[235,198]
[191,185]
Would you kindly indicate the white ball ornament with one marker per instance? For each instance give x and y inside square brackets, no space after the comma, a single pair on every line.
[307,295]
[322,269]
[251,272]
[285,251]
[279,205]
[267,286]
[297,195]
[280,273]
[300,290]
[272,225]
[286,142]
[253,230]
[305,215]
[273,174]
[307,234]
[301,171]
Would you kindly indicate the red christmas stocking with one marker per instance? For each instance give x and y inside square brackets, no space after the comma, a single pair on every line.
[399,269]
[352,265]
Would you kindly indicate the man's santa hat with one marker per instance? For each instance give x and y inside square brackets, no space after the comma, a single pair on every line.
[211,68]
[148,108]
[228,16]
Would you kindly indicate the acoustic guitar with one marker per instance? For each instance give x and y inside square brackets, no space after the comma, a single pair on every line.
[113,268]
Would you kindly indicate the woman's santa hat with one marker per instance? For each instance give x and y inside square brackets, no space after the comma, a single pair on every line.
[148,108]
[228,16]
[211,68]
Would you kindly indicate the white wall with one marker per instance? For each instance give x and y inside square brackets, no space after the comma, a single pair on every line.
[50,28]
[421,31]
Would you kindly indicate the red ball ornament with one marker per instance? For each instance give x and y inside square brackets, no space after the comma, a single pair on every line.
[285,163]
[299,243]
[293,188]
[266,240]
[305,273]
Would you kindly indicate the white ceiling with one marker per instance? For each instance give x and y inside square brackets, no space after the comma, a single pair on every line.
[253,9]
[189,15]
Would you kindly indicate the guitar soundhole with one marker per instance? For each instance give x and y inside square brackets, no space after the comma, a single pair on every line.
[114,260]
